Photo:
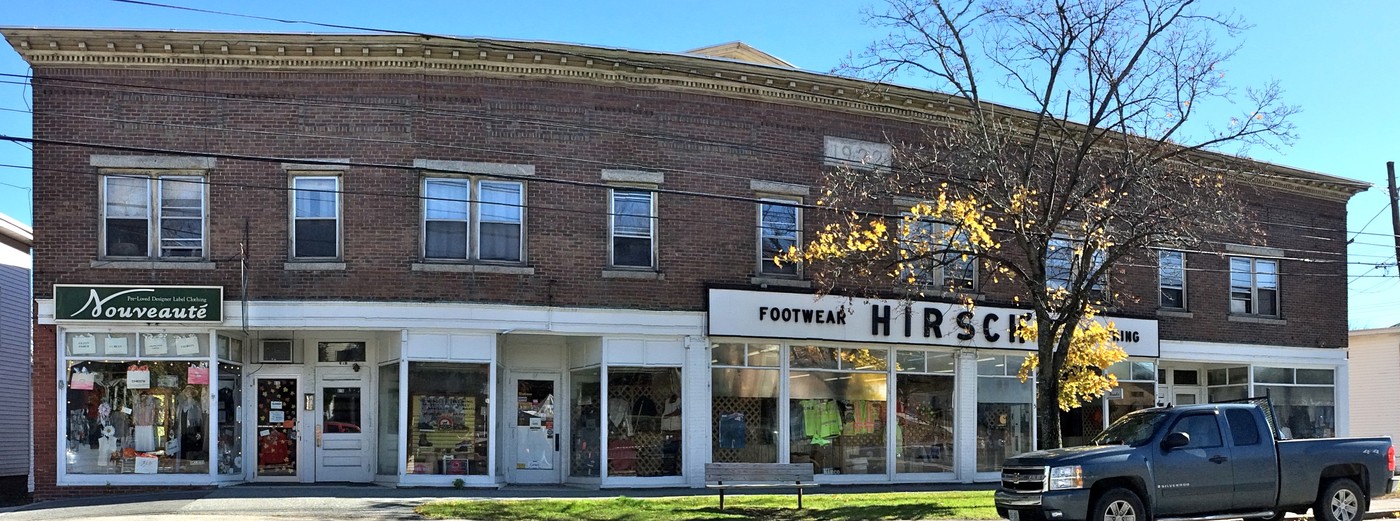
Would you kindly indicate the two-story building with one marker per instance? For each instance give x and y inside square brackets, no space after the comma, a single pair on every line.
[409,260]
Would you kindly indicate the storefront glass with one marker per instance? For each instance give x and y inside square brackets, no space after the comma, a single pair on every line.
[1005,411]
[388,419]
[1137,388]
[230,419]
[137,417]
[744,390]
[449,425]
[644,421]
[586,398]
[1304,400]
[924,411]
[837,408]
[1227,383]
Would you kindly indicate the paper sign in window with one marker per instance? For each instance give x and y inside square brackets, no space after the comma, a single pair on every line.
[82,345]
[186,345]
[156,346]
[114,345]
[81,381]
[138,377]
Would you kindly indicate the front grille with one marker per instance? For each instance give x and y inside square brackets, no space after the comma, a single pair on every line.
[1024,480]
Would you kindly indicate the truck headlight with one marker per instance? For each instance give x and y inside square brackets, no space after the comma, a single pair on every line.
[1065,478]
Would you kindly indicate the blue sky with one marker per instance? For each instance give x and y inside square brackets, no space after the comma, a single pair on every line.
[1336,62]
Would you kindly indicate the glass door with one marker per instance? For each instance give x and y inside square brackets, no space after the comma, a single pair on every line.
[277,428]
[534,452]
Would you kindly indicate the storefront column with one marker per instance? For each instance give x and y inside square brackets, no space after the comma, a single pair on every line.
[965,420]
[696,410]
[1342,383]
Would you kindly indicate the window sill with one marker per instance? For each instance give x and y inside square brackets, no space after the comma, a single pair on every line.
[152,265]
[1256,319]
[314,266]
[1175,313]
[472,268]
[637,274]
[775,281]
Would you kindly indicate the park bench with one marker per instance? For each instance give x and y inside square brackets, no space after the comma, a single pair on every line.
[744,475]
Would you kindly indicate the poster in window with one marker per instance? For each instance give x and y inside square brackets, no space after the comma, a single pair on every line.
[82,381]
[186,345]
[155,345]
[198,375]
[82,345]
[114,345]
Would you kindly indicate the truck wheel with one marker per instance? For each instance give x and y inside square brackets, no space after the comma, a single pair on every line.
[1120,505]
[1340,501]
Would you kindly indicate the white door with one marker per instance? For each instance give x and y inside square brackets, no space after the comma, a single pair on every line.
[343,443]
[533,450]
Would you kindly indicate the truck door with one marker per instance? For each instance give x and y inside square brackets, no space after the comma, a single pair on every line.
[1255,461]
[1197,478]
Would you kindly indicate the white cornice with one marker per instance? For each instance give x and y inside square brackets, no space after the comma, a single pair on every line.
[478,57]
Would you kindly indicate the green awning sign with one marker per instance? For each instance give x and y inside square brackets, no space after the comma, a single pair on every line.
[138,303]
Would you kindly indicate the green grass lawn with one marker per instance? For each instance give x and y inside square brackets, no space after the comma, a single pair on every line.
[783,507]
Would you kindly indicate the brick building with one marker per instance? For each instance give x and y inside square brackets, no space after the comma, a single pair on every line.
[407,260]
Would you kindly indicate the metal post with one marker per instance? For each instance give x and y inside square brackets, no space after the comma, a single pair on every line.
[1394,210]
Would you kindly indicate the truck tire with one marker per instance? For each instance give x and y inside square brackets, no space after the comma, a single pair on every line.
[1342,500]
[1119,504]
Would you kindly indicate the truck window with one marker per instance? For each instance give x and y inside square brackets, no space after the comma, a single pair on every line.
[1203,429]
[1242,427]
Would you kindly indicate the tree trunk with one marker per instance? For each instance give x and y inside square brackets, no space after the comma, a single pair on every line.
[1047,407]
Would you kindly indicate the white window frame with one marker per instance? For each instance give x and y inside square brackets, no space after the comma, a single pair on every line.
[941,277]
[1065,242]
[614,233]
[478,220]
[337,217]
[765,264]
[467,219]
[1254,287]
[155,236]
[1162,284]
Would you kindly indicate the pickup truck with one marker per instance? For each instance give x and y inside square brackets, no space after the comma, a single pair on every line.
[1212,461]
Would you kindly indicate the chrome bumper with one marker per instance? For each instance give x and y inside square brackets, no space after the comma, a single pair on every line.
[1007,499]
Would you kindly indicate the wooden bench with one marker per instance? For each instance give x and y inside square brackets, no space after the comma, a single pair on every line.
[743,475]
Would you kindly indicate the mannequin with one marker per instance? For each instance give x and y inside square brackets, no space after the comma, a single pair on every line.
[144,412]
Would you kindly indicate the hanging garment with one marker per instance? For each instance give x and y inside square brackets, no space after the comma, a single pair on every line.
[865,415]
[645,416]
[671,414]
[619,418]
[732,430]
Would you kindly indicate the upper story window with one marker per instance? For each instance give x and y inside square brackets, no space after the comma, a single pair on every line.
[1171,278]
[930,267]
[315,217]
[1254,286]
[633,228]
[154,214]
[779,228]
[455,206]
[1060,265]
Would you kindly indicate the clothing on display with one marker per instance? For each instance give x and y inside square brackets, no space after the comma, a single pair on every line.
[732,430]
[618,417]
[671,414]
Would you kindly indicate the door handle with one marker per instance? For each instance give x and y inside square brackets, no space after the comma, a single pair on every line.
[1218,459]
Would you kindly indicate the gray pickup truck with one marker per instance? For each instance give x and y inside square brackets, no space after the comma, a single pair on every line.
[1212,461]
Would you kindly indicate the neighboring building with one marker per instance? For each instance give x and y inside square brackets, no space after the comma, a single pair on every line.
[1374,360]
[16,315]
[409,260]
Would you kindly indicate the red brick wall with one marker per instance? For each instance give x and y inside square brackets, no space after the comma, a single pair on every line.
[702,240]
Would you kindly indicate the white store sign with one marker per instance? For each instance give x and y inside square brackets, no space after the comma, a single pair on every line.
[762,314]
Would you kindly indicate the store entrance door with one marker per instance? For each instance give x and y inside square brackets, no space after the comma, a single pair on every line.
[277,433]
[533,447]
[342,445]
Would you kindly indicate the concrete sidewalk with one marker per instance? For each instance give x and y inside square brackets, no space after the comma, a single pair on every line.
[307,502]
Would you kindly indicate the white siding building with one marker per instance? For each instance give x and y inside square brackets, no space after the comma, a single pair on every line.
[16,445]
[1374,357]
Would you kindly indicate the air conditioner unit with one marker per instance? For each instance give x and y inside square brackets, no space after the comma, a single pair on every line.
[275,351]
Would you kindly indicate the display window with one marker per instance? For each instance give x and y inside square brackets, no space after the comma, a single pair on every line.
[1304,400]
[449,418]
[923,411]
[744,389]
[586,398]
[388,419]
[644,421]
[229,417]
[1005,411]
[837,400]
[137,417]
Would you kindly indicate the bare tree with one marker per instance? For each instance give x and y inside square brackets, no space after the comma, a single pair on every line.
[1113,158]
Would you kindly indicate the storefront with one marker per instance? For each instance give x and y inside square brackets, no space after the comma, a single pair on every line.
[871,390]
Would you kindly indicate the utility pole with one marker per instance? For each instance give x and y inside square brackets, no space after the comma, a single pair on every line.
[1394,208]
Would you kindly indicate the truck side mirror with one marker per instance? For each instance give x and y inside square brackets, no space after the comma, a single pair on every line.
[1176,439]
